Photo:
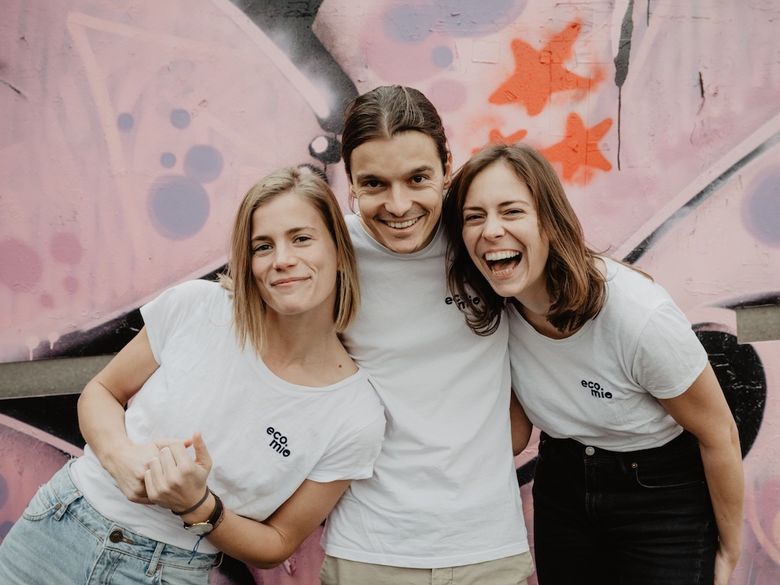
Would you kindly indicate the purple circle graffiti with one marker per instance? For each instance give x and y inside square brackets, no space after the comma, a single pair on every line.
[178,207]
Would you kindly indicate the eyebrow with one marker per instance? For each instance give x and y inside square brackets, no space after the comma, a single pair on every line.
[502,204]
[415,171]
[289,232]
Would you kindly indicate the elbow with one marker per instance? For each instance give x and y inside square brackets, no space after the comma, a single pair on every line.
[269,562]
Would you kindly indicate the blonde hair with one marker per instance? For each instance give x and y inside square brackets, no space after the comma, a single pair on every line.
[249,309]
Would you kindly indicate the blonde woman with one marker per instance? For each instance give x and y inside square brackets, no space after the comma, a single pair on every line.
[250,374]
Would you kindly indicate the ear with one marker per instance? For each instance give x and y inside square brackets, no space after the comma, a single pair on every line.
[352,199]
[448,170]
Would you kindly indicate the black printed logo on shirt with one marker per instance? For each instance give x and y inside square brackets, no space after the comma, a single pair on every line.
[278,442]
[596,389]
[461,302]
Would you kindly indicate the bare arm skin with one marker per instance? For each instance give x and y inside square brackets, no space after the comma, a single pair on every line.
[176,481]
[101,411]
[703,411]
[521,426]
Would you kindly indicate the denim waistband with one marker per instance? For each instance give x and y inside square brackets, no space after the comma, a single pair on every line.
[116,536]
[684,444]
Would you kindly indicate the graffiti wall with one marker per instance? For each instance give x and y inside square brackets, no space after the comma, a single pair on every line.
[131,129]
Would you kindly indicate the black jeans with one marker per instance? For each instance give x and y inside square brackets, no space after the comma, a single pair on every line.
[637,518]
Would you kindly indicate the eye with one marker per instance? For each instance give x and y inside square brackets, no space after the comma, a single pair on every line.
[472,217]
[417,179]
[514,212]
[301,239]
[371,184]
[260,249]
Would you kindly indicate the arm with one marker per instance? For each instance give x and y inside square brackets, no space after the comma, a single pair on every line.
[176,481]
[101,411]
[703,411]
[521,426]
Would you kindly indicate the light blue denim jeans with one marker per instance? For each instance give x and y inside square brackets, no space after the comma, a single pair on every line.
[62,539]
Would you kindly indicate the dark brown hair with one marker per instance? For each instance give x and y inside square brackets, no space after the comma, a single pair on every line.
[386,111]
[574,283]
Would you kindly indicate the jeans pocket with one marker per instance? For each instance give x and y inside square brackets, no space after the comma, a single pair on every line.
[660,477]
[174,575]
[43,504]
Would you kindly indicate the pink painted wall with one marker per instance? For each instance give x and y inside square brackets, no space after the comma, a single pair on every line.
[131,129]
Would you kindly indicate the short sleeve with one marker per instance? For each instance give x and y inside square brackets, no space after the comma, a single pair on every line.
[164,314]
[669,356]
[353,455]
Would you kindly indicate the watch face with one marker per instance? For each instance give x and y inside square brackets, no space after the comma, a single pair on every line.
[199,528]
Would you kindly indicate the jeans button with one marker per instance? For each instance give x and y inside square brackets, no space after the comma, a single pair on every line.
[589,450]
[115,536]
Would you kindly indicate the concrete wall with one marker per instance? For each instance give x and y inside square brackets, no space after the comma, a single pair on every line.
[130,130]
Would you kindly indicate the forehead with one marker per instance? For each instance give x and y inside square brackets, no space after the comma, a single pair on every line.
[395,155]
[497,183]
[285,212]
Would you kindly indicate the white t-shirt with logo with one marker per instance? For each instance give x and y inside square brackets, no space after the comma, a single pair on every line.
[444,490]
[265,435]
[599,386]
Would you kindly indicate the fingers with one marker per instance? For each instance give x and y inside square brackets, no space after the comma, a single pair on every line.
[202,455]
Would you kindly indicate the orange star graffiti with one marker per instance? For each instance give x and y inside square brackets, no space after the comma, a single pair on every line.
[495,137]
[539,74]
[579,150]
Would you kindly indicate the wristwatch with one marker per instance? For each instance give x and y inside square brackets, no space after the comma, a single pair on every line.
[203,528]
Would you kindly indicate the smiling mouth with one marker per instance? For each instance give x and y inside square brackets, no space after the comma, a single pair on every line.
[502,263]
[284,281]
[400,224]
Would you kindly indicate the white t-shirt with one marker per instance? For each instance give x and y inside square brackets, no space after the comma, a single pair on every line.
[444,490]
[265,435]
[599,386]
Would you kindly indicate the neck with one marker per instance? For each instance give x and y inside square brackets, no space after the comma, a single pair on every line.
[299,339]
[534,307]
[305,350]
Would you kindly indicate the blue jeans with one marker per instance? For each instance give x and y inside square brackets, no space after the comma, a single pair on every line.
[637,518]
[62,539]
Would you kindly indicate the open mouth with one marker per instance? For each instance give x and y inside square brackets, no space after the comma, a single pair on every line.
[502,263]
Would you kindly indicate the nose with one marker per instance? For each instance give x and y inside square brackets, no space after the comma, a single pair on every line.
[284,257]
[398,202]
[493,229]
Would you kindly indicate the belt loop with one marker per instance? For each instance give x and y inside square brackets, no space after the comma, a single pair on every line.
[155,562]
[62,506]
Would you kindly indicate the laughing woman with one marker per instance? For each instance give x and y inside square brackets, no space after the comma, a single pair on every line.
[251,367]
[639,476]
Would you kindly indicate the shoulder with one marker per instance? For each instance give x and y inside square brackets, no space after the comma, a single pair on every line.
[630,291]
[194,294]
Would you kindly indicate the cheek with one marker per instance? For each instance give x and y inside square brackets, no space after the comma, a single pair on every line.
[365,206]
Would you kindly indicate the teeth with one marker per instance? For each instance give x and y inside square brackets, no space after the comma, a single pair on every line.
[399,225]
[502,255]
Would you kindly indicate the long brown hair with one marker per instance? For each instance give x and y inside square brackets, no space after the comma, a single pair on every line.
[574,283]
[249,308]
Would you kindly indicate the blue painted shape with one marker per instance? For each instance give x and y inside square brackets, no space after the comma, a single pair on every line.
[442,57]
[203,163]
[125,122]
[178,206]
[180,118]
[409,24]
[761,208]
[168,159]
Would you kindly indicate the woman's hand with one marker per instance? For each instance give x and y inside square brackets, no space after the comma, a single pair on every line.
[128,467]
[174,479]
[724,566]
